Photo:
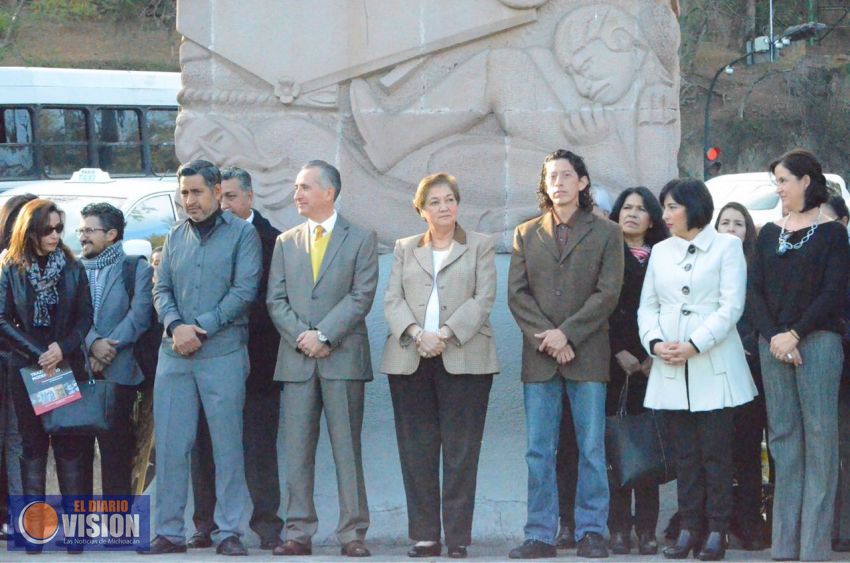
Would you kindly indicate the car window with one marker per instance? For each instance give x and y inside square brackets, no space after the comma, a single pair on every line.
[150,219]
[760,198]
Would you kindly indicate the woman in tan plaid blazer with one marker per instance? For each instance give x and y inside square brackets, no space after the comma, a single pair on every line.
[440,359]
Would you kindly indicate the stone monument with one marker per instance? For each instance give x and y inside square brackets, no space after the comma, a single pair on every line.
[391,90]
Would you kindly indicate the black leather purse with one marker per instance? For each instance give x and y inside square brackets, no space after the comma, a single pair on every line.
[637,447]
[94,413]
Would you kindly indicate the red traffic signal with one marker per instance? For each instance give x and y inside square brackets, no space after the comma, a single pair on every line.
[712,154]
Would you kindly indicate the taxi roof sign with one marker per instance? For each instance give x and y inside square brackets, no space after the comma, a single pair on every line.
[90,176]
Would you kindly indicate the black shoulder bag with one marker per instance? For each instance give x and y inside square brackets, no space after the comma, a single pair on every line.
[637,447]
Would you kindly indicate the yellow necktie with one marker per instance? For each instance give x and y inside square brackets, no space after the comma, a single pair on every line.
[317,251]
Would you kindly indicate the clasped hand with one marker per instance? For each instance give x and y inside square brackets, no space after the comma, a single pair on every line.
[103,351]
[308,342]
[50,359]
[783,346]
[555,343]
[430,344]
[675,353]
[187,339]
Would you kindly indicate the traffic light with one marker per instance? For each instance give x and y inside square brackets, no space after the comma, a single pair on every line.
[711,167]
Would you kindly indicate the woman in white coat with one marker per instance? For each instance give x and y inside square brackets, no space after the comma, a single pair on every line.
[692,298]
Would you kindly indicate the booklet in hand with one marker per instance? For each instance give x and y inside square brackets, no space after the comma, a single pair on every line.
[48,393]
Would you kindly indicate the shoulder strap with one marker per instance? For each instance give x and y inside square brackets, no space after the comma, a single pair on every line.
[128,271]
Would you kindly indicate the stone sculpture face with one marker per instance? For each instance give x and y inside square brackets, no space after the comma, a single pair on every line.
[598,49]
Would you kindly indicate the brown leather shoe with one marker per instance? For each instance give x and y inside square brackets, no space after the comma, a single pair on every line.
[292,547]
[355,549]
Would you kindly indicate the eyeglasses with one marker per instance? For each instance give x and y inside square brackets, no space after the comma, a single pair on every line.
[89,230]
[50,230]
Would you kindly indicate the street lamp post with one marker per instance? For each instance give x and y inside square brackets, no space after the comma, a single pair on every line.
[793,33]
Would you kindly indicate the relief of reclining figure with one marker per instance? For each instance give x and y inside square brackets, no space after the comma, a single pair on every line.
[607,88]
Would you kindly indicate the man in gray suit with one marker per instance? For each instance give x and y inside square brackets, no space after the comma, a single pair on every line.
[118,323]
[208,278]
[321,286]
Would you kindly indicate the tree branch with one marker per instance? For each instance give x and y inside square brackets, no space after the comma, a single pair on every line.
[7,39]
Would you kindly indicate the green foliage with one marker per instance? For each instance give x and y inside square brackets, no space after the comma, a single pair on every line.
[5,22]
[100,9]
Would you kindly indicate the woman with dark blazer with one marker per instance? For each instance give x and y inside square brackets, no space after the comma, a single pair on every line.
[750,418]
[10,438]
[440,359]
[638,213]
[797,288]
[45,312]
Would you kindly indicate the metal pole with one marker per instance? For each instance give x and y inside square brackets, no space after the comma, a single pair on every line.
[772,46]
[707,122]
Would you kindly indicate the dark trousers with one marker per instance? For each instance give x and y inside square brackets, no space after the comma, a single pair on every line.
[260,423]
[703,446]
[36,441]
[750,422]
[566,467]
[117,446]
[435,410]
[620,516]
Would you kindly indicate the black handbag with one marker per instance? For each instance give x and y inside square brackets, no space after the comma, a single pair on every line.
[637,447]
[94,413]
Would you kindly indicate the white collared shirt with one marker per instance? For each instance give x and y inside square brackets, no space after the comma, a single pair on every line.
[250,217]
[327,225]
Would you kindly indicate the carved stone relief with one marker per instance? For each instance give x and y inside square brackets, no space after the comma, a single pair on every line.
[391,90]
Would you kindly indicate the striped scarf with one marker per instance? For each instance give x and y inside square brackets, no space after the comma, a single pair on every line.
[113,253]
[641,253]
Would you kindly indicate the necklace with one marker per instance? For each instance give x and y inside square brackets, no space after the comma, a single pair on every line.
[785,246]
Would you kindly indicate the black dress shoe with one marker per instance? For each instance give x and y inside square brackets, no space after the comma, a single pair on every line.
[714,548]
[269,543]
[425,550]
[841,546]
[456,551]
[199,540]
[647,544]
[231,546]
[592,546]
[533,549]
[686,542]
[355,548]
[292,547]
[162,545]
[566,538]
[621,543]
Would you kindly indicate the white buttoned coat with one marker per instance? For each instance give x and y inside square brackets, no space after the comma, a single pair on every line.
[695,290]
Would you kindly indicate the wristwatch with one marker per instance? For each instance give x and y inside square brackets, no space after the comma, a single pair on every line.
[322,338]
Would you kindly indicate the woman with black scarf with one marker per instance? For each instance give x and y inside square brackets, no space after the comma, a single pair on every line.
[45,312]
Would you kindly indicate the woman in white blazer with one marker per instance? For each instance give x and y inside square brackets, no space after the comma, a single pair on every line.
[692,298]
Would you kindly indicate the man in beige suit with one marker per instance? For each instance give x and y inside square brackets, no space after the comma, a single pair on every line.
[322,282]
[564,282]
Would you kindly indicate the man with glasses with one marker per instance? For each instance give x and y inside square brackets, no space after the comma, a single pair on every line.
[119,321]
[203,359]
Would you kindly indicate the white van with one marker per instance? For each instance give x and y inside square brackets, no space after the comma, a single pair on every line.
[756,192]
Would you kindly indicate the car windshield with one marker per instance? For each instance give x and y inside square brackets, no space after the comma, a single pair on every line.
[71,205]
[759,197]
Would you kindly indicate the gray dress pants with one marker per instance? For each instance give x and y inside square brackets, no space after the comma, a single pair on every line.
[182,386]
[802,425]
